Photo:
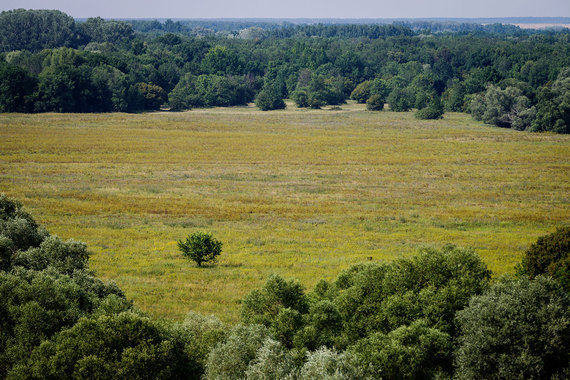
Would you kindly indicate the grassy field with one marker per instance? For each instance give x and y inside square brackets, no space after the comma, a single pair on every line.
[297,192]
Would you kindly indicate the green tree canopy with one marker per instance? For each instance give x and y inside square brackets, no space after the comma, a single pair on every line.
[518,329]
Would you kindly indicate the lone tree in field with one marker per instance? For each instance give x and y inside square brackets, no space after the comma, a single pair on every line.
[200,247]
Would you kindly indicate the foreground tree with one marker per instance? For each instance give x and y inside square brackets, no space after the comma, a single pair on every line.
[550,255]
[201,247]
[122,346]
[519,329]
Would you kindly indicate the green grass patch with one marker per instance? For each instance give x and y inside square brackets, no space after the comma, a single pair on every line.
[302,193]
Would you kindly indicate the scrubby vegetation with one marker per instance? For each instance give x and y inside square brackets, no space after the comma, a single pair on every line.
[433,315]
[504,75]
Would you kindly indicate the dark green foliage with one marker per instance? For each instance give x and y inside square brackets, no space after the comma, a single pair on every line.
[214,90]
[408,352]
[432,111]
[375,103]
[44,286]
[270,62]
[184,95]
[35,30]
[55,91]
[38,304]
[432,285]
[200,247]
[518,329]
[18,231]
[263,305]
[285,326]
[550,255]
[119,346]
[553,108]
[95,29]
[17,88]
[323,326]
[401,99]
[301,97]
[321,91]
[269,99]
[454,97]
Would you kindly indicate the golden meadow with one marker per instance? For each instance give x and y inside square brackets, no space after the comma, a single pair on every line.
[303,193]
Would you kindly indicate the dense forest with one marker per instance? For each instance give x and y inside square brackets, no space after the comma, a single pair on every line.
[438,314]
[501,74]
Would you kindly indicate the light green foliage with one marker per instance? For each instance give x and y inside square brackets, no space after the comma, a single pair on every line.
[375,103]
[201,247]
[154,96]
[506,108]
[301,97]
[362,92]
[221,61]
[550,255]
[518,329]
[230,359]
[408,352]
[323,326]
[328,364]
[272,362]
[199,334]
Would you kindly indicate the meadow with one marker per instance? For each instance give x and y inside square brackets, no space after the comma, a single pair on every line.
[303,193]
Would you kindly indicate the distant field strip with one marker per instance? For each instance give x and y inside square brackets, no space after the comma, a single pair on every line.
[298,192]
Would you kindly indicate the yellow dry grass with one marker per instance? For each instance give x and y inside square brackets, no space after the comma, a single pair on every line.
[298,192]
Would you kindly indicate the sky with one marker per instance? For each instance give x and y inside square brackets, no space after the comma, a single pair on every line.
[298,8]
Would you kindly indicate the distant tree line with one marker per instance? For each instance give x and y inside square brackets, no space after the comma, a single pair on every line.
[435,315]
[507,77]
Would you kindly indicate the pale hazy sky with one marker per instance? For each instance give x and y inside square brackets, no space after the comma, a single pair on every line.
[298,8]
